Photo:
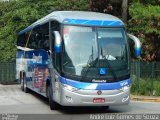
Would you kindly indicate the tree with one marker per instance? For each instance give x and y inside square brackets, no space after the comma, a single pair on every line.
[16,15]
[145,23]
[124,10]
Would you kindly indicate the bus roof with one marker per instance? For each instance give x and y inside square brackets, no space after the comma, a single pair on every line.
[85,18]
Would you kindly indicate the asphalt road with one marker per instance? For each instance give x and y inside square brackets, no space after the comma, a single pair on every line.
[13,100]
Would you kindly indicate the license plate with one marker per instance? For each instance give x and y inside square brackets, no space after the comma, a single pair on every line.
[98,100]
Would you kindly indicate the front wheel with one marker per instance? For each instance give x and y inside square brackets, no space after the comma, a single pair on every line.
[105,107]
[53,105]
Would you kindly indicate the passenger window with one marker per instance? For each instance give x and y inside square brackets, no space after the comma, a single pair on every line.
[41,37]
[22,40]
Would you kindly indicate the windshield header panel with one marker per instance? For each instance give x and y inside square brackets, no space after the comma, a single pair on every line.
[100,23]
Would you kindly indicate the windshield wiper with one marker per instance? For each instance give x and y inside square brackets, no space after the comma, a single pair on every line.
[88,66]
[107,62]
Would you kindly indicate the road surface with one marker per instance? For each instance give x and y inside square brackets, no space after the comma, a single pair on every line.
[13,100]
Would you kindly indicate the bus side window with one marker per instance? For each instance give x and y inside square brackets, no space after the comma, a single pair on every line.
[32,41]
[55,26]
[43,37]
[22,40]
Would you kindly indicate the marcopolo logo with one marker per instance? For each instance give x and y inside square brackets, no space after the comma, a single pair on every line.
[99,81]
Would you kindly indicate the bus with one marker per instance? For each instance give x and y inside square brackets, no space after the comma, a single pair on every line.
[76,58]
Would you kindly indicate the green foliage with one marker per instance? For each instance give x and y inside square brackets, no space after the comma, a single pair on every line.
[147,2]
[147,86]
[145,23]
[16,15]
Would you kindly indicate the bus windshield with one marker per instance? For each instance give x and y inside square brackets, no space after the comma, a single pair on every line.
[92,48]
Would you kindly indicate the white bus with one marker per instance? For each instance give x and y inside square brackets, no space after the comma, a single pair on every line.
[76,58]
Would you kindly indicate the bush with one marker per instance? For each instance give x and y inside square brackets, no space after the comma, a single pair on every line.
[146,86]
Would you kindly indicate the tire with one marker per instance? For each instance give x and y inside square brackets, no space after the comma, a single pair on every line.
[105,107]
[53,105]
[23,83]
[26,90]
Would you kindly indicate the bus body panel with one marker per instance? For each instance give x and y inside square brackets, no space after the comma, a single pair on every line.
[85,96]
[35,67]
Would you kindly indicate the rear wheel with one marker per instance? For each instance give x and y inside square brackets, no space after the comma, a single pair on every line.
[23,83]
[53,105]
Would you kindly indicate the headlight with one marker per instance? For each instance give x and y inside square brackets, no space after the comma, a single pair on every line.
[125,88]
[70,88]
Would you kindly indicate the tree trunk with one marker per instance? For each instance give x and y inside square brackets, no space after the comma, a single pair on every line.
[124,10]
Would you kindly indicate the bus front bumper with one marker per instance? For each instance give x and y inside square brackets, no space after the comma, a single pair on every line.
[69,98]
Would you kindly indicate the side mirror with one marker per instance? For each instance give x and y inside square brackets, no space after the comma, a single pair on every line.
[58,42]
[137,44]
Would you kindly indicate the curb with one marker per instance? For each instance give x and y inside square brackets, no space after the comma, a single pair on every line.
[145,98]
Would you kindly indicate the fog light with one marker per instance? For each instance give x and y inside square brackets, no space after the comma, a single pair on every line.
[69,99]
[125,99]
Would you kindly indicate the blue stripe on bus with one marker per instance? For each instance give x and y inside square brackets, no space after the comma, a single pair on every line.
[93,22]
[84,22]
[95,86]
